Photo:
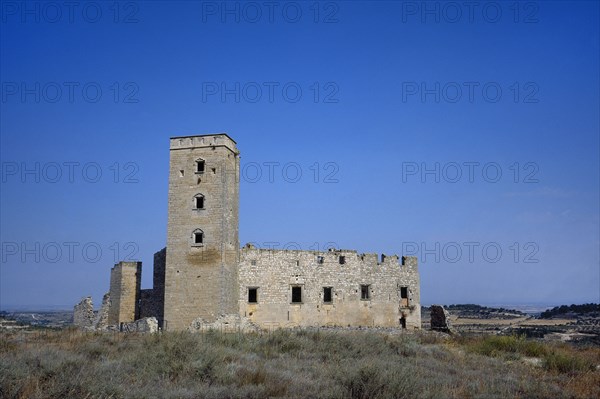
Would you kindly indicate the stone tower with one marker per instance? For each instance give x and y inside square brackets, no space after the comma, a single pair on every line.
[201,276]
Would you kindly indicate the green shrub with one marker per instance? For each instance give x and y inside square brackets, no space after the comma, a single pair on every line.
[567,363]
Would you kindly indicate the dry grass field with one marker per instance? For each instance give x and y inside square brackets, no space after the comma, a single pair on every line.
[297,364]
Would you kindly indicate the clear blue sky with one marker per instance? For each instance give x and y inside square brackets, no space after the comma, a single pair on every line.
[387,90]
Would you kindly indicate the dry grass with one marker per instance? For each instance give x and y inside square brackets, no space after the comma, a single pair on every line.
[315,364]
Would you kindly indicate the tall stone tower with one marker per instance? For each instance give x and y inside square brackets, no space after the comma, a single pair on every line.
[202,231]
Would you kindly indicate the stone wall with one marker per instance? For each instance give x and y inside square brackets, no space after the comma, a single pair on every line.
[201,278]
[145,325]
[152,301]
[274,272]
[125,281]
[101,321]
[83,314]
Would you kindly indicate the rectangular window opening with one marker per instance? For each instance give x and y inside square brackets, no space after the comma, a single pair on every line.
[404,296]
[198,237]
[327,297]
[364,292]
[252,295]
[320,260]
[200,166]
[342,260]
[199,202]
[296,294]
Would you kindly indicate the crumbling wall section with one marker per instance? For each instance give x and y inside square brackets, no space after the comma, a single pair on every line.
[83,314]
[365,291]
[101,321]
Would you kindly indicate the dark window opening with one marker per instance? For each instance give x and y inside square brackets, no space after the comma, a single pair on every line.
[198,237]
[252,295]
[404,296]
[320,260]
[296,294]
[327,295]
[342,260]
[199,166]
[403,322]
[364,292]
[200,202]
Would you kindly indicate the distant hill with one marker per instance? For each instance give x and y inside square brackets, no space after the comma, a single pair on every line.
[571,310]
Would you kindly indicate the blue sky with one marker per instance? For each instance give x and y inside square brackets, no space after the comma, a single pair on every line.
[499,103]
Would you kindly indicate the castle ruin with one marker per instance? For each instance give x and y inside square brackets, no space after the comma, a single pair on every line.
[204,274]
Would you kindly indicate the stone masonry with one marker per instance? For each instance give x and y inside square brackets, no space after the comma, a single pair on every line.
[363,291]
[83,313]
[203,278]
[125,281]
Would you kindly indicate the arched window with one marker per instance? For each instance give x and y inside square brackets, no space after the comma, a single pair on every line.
[199,201]
[200,165]
[197,237]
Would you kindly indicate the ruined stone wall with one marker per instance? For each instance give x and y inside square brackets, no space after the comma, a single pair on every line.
[201,279]
[274,272]
[101,321]
[125,281]
[152,301]
[83,313]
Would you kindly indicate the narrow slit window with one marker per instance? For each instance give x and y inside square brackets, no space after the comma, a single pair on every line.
[327,297]
[296,294]
[365,292]
[252,295]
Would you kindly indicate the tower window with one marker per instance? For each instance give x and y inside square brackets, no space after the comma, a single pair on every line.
[252,295]
[200,166]
[296,294]
[365,292]
[342,260]
[198,237]
[199,201]
[320,260]
[327,298]
[404,296]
